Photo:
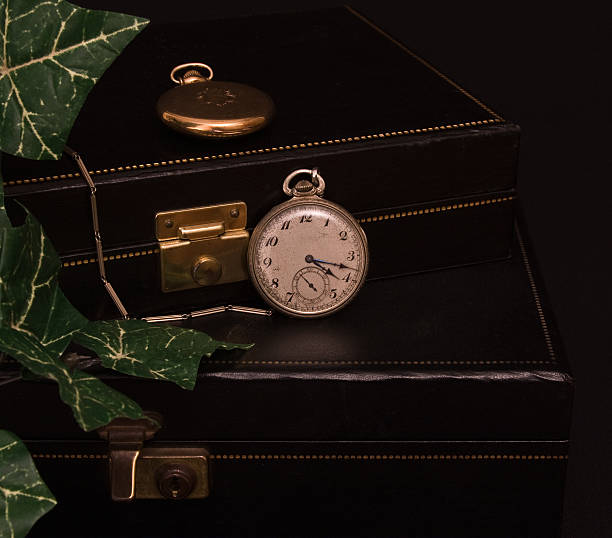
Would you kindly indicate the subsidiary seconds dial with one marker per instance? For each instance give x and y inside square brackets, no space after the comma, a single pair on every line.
[308,257]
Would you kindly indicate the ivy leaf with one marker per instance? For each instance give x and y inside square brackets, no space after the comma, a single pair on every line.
[52,53]
[31,301]
[24,497]
[37,323]
[93,403]
[136,347]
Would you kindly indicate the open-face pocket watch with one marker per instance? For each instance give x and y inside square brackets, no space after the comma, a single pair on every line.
[308,257]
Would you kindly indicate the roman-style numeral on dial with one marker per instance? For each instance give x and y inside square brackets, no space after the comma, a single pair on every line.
[285,225]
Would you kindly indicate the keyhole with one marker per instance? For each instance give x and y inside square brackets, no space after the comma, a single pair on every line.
[175,486]
[175,481]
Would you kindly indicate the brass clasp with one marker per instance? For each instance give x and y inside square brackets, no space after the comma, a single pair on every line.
[125,439]
[202,246]
[155,472]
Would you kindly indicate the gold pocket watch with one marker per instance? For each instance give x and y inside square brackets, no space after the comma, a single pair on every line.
[208,108]
[308,257]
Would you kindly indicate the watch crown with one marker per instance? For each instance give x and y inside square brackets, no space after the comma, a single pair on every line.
[193,76]
[303,186]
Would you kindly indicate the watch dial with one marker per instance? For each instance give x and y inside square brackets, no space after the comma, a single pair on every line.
[308,259]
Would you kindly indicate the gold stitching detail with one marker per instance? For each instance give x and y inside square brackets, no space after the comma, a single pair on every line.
[358,363]
[377,218]
[112,257]
[437,209]
[344,457]
[383,457]
[426,64]
[369,363]
[497,119]
[70,456]
[536,297]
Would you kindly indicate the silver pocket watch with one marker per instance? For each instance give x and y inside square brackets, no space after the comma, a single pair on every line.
[308,257]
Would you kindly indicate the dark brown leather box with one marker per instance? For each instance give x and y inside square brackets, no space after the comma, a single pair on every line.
[438,404]
[418,160]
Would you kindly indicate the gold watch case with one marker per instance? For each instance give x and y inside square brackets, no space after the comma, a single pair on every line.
[213,109]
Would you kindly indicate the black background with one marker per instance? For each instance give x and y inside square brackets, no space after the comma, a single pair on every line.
[544,67]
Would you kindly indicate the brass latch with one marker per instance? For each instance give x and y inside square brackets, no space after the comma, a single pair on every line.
[152,472]
[202,246]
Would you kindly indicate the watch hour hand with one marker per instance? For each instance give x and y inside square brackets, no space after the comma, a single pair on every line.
[326,270]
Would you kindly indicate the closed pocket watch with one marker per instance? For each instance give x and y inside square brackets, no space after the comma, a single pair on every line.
[308,257]
[208,108]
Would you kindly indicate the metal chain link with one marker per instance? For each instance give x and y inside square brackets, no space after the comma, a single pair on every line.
[102,269]
[97,235]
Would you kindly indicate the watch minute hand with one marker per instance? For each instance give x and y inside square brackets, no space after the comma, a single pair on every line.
[341,265]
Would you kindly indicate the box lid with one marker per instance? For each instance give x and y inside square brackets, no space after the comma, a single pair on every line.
[342,88]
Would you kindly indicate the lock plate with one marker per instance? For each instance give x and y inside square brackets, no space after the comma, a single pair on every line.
[152,472]
[171,473]
[202,246]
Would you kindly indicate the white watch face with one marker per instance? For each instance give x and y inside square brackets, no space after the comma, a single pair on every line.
[308,258]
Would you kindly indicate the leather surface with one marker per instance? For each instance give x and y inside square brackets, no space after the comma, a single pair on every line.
[428,236]
[443,490]
[310,64]
[462,354]
[453,146]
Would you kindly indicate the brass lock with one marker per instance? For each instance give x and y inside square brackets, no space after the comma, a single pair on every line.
[172,473]
[202,246]
[153,472]
[175,480]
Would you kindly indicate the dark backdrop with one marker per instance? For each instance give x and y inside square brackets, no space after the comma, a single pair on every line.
[545,69]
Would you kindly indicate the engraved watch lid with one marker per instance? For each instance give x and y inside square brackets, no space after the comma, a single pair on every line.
[213,109]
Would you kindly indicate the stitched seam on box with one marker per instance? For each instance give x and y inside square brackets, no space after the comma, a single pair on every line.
[424,62]
[188,160]
[370,457]
[536,297]
[10,360]
[362,220]
[437,209]
[336,457]
[239,362]
[113,257]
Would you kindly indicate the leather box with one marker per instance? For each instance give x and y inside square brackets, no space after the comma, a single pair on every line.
[438,405]
[420,161]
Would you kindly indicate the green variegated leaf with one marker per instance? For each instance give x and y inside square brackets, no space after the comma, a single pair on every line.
[52,53]
[31,301]
[24,497]
[138,348]
[37,323]
[93,403]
